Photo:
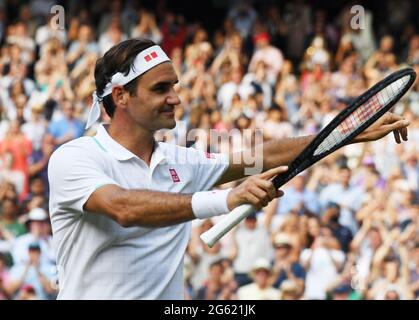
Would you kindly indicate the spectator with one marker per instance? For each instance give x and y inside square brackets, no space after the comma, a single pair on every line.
[290,290]
[67,128]
[260,288]
[84,44]
[9,219]
[251,241]
[202,256]
[147,27]
[48,31]
[341,233]
[4,278]
[36,127]
[298,198]
[322,263]
[213,287]
[35,273]
[270,55]
[347,196]
[112,36]
[20,148]
[40,232]
[285,266]
[243,17]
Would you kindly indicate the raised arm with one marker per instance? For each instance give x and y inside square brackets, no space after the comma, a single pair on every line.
[281,152]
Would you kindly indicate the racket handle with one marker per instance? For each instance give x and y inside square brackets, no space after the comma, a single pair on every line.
[232,219]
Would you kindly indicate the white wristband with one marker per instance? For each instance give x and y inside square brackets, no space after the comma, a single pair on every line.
[206,204]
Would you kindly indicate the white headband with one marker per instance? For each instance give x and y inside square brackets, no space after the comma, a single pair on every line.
[145,60]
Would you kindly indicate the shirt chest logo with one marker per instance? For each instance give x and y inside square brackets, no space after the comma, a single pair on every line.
[174,175]
[209,155]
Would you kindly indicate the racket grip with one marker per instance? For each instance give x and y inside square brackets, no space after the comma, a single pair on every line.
[232,219]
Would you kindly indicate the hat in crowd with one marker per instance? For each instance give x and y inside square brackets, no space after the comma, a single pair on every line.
[37,214]
[34,246]
[27,288]
[37,100]
[288,285]
[282,240]
[261,36]
[260,264]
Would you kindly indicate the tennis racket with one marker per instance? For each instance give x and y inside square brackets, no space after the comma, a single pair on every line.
[358,116]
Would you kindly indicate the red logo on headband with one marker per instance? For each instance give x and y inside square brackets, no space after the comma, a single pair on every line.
[150,56]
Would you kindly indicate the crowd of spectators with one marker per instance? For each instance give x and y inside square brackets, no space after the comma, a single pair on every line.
[345,229]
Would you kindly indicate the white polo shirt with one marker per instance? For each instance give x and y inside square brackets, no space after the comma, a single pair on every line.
[96,257]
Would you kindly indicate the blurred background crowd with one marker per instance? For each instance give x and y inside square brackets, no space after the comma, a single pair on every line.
[345,229]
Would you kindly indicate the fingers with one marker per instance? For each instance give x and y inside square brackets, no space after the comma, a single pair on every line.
[391,118]
[399,124]
[267,187]
[257,190]
[269,174]
[403,132]
[396,136]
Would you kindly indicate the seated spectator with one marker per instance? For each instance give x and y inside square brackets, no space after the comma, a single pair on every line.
[34,272]
[260,289]
[298,198]
[67,128]
[39,231]
[331,219]
[27,292]
[213,285]
[251,241]
[285,268]
[9,219]
[4,278]
[290,290]
[201,255]
[347,196]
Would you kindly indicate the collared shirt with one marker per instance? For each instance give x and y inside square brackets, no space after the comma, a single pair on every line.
[96,257]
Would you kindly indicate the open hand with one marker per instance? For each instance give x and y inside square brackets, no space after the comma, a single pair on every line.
[383,126]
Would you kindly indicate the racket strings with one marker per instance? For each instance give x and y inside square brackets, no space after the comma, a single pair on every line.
[362,114]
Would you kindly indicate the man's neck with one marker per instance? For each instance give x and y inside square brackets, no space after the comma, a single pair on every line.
[137,140]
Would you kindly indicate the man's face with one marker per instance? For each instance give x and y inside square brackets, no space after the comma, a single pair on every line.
[153,106]
[345,176]
[8,209]
[261,277]
[68,110]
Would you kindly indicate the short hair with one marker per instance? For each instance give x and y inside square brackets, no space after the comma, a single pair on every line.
[119,58]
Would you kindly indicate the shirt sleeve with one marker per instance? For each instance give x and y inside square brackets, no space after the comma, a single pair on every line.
[74,174]
[209,167]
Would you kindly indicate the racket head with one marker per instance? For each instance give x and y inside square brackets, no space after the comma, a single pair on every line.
[351,121]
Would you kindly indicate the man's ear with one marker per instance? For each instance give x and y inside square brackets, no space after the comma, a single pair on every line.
[120,97]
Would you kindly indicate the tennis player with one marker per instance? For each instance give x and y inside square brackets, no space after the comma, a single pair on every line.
[121,203]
